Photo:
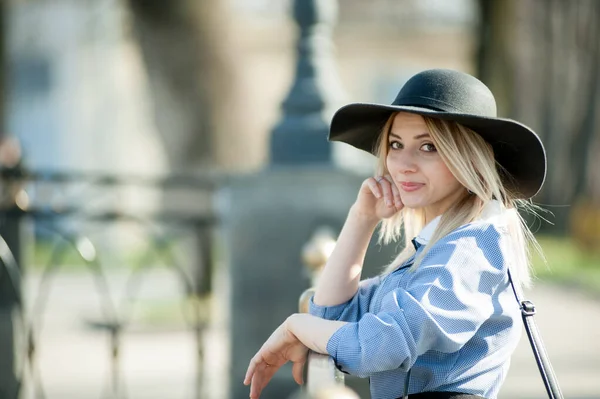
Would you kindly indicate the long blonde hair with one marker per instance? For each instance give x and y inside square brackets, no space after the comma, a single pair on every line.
[471,160]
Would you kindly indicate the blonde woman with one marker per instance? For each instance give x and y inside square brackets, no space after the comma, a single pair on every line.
[441,321]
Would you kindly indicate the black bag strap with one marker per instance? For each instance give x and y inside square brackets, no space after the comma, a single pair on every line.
[539,351]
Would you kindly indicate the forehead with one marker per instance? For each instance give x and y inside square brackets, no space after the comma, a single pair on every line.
[404,121]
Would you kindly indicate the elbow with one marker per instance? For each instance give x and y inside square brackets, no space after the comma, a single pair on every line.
[369,361]
[371,346]
[369,367]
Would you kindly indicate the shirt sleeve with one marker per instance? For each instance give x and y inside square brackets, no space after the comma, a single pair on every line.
[446,300]
[351,310]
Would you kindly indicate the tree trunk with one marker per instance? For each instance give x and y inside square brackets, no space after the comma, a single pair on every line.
[494,64]
[183,45]
[553,62]
[185,49]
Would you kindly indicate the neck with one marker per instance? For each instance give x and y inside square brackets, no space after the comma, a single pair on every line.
[435,210]
[430,215]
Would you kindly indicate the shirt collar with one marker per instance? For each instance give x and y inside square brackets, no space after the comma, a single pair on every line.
[425,234]
[490,210]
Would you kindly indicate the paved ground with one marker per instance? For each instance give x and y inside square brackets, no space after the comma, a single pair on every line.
[570,326]
[160,362]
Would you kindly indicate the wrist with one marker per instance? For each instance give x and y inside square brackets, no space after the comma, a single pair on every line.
[290,322]
[363,218]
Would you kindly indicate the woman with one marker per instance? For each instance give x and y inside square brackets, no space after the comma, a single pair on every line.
[441,321]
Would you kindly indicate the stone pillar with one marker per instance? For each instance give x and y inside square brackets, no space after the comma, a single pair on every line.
[266,220]
[300,136]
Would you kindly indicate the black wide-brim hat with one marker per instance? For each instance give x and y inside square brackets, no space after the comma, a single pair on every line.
[456,96]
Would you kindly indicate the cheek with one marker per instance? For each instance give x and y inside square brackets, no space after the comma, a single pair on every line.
[389,162]
[442,178]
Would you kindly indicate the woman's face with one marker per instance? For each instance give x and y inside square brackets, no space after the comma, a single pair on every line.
[422,177]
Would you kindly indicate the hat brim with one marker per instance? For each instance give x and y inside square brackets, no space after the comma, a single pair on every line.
[517,148]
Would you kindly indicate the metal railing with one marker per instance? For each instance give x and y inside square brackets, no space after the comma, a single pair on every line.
[162,230]
[321,372]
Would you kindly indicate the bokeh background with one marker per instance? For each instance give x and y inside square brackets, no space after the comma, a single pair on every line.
[167,184]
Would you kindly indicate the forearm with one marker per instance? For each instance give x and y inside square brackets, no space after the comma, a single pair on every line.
[313,331]
[340,277]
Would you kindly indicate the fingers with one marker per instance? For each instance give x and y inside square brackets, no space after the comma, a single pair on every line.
[264,373]
[298,372]
[259,357]
[388,195]
[374,186]
[281,347]
[259,381]
[396,197]
[250,372]
[383,187]
[255,363]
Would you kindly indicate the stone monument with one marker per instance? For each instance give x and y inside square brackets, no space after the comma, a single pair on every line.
[267,218]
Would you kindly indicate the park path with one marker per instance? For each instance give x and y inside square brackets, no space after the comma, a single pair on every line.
[74,359]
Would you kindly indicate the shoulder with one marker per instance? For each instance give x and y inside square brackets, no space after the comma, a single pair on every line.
[480,242]
[479,233]
[469,259]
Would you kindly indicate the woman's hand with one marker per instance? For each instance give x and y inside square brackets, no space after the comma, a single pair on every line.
[378,198]
[281,347]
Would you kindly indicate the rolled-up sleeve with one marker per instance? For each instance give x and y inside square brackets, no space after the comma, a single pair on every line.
[351,310]
[445,301]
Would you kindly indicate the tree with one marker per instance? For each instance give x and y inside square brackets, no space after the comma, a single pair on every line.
[185,51]
[184,46]
[541,58]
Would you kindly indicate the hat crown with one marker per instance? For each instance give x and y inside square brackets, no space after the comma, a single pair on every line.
[449,91]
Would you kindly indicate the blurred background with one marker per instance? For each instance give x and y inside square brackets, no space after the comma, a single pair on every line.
[168,192]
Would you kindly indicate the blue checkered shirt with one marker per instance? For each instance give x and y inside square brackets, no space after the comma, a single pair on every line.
[454,322]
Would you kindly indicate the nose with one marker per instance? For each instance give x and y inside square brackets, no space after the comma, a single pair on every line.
[402,162]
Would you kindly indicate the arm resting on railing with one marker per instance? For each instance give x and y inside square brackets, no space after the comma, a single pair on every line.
[313,331]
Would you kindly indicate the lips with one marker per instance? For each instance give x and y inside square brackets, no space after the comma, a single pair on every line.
[410,186]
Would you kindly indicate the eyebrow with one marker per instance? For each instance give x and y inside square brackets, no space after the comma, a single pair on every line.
[420,136]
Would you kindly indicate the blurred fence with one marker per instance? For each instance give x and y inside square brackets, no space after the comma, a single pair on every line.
[58,207]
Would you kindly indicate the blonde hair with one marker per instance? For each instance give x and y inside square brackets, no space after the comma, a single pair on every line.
[471,160]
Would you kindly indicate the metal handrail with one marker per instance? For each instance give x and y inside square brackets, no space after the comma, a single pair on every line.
[196,181]
[18,204]
[320,370]
[110,216]
[321,373]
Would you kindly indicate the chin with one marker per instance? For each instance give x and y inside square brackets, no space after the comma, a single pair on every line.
[413,204]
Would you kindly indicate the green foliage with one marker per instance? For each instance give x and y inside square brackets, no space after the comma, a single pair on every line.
[47,253]
[567,263]
[178,313]
[59,253]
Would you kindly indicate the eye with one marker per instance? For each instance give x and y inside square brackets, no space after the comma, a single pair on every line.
[428,147]
[395,145]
